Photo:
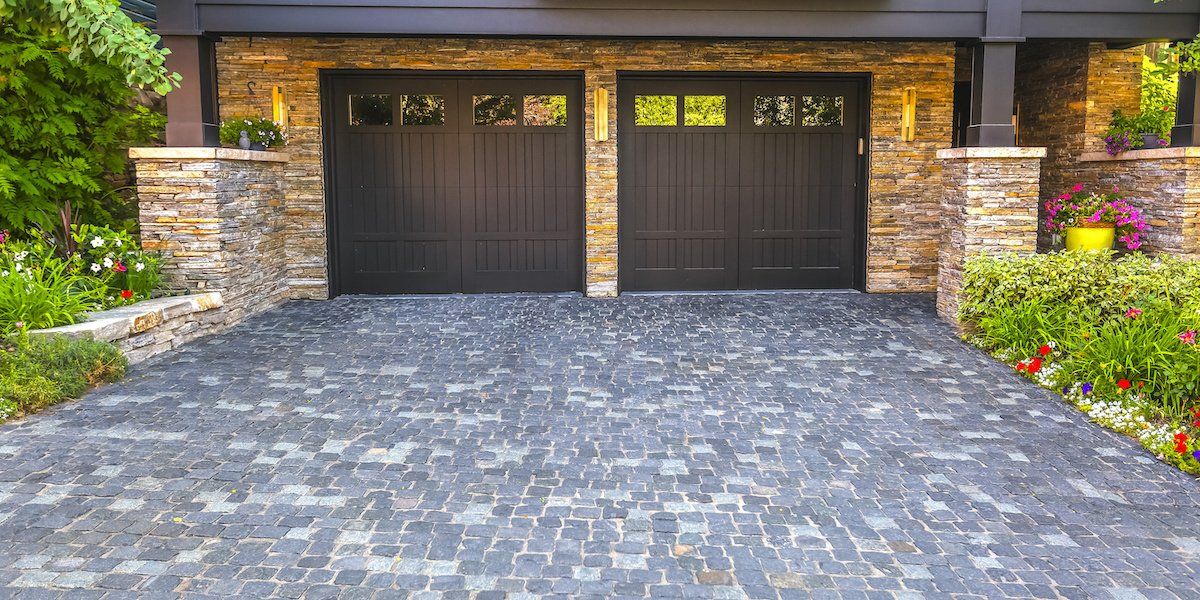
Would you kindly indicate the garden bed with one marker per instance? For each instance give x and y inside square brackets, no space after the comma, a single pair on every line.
[149,327]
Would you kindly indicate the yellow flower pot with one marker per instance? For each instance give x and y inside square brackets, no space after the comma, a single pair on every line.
[1091,238]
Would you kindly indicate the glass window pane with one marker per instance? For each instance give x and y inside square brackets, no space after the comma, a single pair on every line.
[546,111]
[704,111]
[495,110]
[655,111]
[774,111]
[370,109]
[821,111]
[422,110]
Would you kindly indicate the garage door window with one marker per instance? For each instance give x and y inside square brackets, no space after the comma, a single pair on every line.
[704,111]
[370,109]
[423,110]
[774,111]
[546,110]
[656,111]
[495,110]
[822,111]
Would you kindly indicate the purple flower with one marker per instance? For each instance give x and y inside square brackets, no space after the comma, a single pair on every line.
[1086,388]
[1196,455]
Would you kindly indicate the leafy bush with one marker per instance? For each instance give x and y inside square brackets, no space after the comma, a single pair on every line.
[36,372]
[258,129]
[65,123]
[1093,282]
[114,256]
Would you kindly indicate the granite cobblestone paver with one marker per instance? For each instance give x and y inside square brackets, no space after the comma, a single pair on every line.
[694,446]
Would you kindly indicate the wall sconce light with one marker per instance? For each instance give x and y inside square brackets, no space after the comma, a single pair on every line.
[908,115]
[279,106]
[600,114]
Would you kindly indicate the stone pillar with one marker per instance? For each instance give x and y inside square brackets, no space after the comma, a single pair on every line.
[1165,183]
[600,188]
[215,215]
[990,206]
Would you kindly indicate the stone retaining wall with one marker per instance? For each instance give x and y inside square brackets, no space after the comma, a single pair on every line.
[990,206]
[1165,183]
[217,217]
[150,327]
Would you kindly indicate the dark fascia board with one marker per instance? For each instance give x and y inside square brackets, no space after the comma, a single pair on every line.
[811,19]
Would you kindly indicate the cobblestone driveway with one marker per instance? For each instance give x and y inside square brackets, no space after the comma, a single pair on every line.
[727,446]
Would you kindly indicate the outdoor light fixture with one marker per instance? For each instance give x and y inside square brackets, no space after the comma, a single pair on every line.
[279,107]
[908,115]
[600,114]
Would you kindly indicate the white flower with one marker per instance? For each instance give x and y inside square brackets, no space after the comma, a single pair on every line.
[18,267]
[118,242]
[3,273]
[97,242]
[95,268]
[139,266]
[108,262]
[20,256]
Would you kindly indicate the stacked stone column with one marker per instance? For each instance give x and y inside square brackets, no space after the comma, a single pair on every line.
[990,206]
[215,215]
[1165,184]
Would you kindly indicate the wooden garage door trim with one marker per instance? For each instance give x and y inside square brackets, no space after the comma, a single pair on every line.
[568,276]
[739,87]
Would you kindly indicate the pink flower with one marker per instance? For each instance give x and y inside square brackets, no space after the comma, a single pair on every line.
[1188,337]
[1078,188]
[1133,313]
[119,267]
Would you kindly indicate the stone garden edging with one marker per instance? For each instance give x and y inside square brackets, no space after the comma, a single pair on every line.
[150,327]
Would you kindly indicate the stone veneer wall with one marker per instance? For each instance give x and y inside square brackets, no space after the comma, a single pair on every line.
[1066,93]
[904,180]
[990,205]
[216,216]
[1165,182]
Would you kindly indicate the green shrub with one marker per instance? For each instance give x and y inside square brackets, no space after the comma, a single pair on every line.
[1023,328]
[1092,282]
[38,372]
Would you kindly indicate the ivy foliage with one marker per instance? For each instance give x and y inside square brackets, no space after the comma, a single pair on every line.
[68,73]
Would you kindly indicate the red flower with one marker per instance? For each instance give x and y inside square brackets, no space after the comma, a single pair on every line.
[1021,366]
[119,267]
[1035,365]
[1181,440]
[1045,350]
[1124,384]
[126,294]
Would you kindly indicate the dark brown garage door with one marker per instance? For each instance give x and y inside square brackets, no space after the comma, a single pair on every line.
[746,183]
[463,184]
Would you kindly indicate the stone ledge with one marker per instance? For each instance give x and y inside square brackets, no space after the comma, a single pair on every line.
[121,325]
[1005,152]
[1151,154]
[207,153]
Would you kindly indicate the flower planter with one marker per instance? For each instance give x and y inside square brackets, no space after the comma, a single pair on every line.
[1093,239]
[1151,140]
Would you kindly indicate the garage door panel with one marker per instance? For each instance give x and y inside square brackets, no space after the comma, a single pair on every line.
[441,200]
[764,196]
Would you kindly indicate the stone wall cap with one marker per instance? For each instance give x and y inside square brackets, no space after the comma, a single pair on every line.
[121,322]
[990,152]
[207,153]
[1151,154]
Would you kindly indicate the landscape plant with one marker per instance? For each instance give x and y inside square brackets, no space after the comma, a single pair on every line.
[1116,335]
[67,106]
[38,372]
[258,130]
[1108,209]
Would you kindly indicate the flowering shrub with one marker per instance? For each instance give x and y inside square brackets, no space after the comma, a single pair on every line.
[1074,209]
[1118,338]
[258,129]
[42,286]
[1124,132]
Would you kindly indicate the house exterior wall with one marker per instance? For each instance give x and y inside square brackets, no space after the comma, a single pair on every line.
[1066,93]
[904,178]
